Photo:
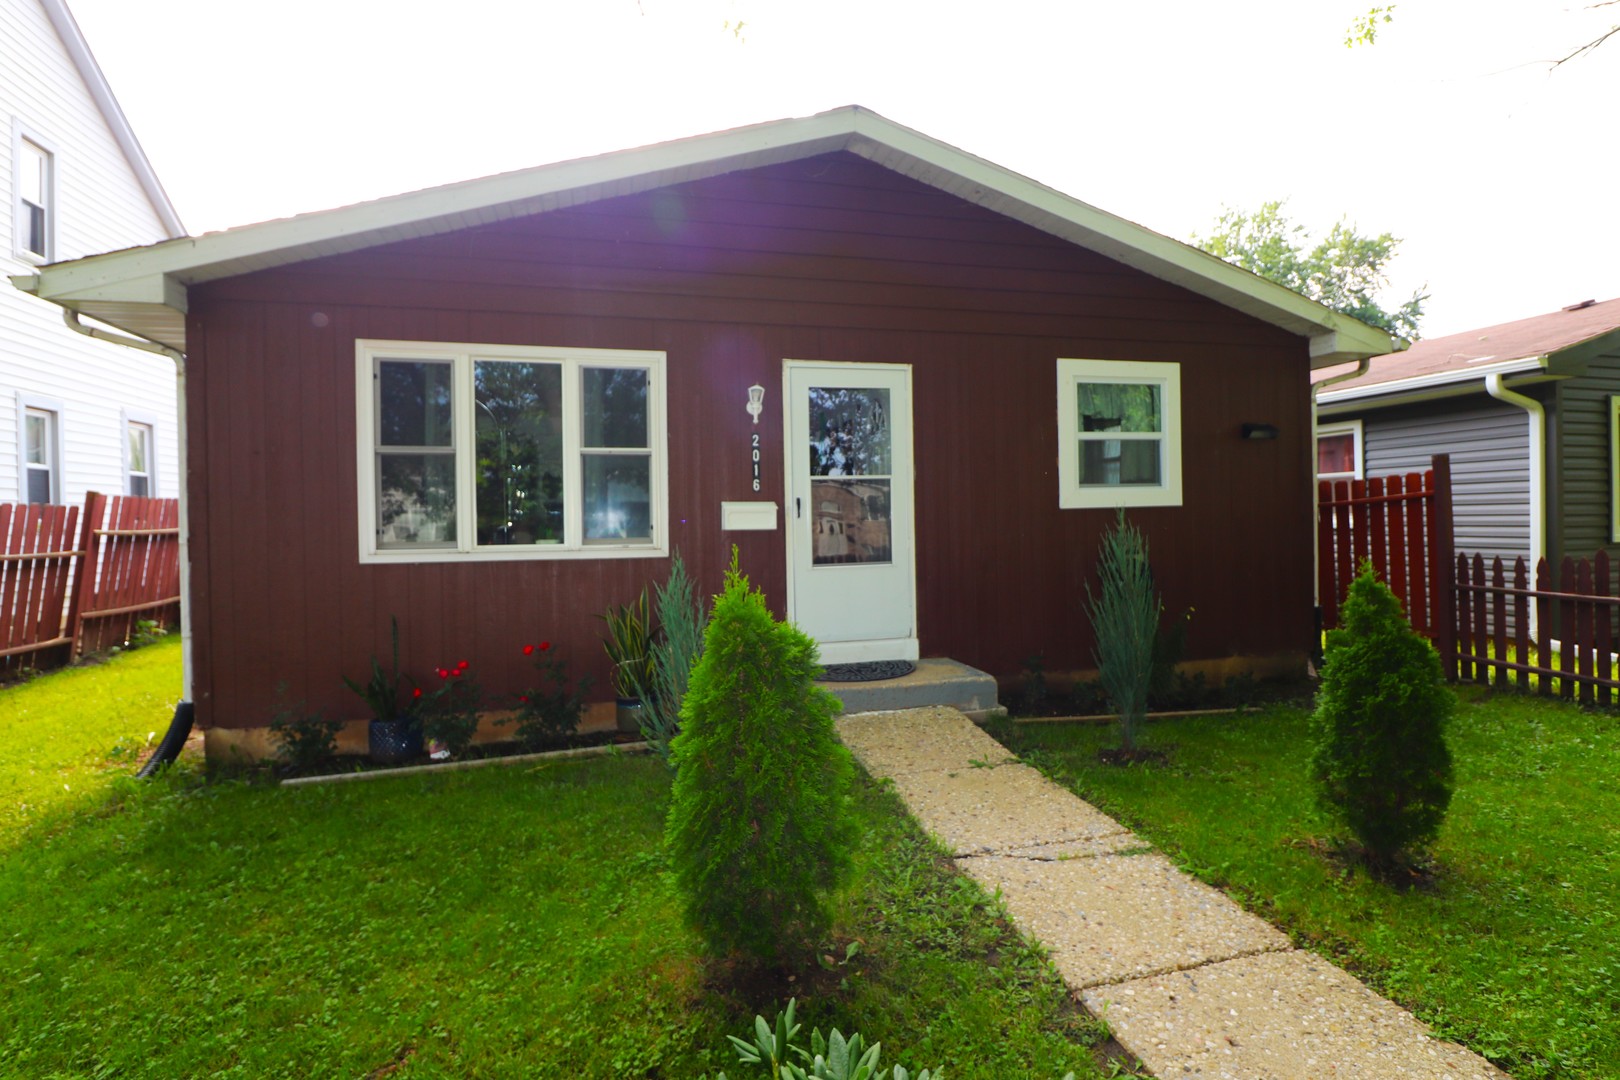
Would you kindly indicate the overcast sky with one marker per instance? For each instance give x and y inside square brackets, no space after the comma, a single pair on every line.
[1450,132]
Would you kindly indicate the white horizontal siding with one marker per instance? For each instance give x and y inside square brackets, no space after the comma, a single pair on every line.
[99,205]
[1489,444]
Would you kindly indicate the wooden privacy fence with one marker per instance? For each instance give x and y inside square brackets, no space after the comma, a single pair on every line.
[1574,637]
[1401,523]
[72,583]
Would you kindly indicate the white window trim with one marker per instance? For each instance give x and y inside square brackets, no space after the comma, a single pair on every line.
[1074,495]
[461,356]
[149,421]
[1341,427]
[19,135]
[54,407]
[1614,467]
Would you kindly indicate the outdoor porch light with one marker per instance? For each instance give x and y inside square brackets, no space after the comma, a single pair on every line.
[756,401]
[1259,431]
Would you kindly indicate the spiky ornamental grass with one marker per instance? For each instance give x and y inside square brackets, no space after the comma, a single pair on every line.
[1380,761]
[759,832]
[1124,615]
[677,649]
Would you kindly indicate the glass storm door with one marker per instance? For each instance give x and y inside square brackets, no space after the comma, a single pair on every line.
[852,574]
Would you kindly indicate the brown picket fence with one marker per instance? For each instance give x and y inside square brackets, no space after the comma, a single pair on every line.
[1571,650]
[39,549]
[73,582]
[1403,524]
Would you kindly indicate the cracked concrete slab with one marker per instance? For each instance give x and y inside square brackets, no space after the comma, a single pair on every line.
[976,811]
[1117,917]
[932,739]
[1276,1016]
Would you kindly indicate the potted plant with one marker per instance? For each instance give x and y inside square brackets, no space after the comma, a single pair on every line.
[629,646]
[395,732]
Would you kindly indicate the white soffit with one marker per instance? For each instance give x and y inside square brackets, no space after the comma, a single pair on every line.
[105,286]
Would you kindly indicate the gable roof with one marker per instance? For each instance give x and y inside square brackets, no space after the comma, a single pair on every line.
[143,290]
[1558,343]
[78,51]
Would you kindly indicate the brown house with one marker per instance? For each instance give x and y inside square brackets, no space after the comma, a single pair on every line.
[911,386]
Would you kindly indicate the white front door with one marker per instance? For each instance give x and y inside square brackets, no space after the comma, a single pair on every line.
[851,550]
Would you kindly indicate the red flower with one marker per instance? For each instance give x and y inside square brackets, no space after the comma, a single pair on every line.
[528,650]
[417,692]
[444,673]
[463,666]
[523,699]
[544,645]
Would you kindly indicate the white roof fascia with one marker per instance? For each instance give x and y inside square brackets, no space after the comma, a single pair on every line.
[1334,338]
[1435,383]
[79,51]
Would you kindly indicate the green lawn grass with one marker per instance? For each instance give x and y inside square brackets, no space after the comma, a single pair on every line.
[499,922]
[1516,949]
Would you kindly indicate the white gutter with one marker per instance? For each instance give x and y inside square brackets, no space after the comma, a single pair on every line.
[71,317]
[1538,468]
[1457,376]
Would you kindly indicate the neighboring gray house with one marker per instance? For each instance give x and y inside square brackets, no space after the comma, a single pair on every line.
[1529,412]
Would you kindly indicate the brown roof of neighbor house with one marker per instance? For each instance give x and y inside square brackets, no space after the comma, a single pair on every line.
[1464,353]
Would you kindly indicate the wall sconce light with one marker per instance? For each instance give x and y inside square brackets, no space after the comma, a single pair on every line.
[756,401]
[1259,431]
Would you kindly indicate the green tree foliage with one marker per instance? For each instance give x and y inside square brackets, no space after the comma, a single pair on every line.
[759,832]
[1124,616]
[680,614]
[1380,761]
[1344,271]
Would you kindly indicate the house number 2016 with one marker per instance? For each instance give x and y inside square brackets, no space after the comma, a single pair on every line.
[754,439]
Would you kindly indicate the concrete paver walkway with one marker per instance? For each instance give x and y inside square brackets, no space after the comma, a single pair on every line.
[1189,982]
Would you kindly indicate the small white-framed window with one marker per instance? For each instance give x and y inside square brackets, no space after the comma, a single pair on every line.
[1119,433]
[1338,450]
[1614,468]
[34,197]
[39,449]
[140,446]
[509,452]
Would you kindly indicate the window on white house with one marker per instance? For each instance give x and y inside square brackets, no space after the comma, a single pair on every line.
[1119,433]
[508,452]
[41,453]
[138,459]
[1338,451]
[35,187]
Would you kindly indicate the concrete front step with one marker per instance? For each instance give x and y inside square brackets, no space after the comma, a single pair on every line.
[937,681]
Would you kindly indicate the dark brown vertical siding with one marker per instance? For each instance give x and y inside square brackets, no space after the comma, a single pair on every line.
[832,259]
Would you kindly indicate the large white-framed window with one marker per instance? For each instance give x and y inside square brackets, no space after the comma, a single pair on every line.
[1119,433]
[472,452]
[1338,450]
[33,197]
[140,450]
[39,449]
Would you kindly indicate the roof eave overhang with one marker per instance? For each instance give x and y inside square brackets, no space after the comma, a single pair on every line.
[148,285]
[1524,371]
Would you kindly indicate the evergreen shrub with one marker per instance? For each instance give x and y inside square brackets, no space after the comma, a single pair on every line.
[674,652]
[1124,614]
[759,832]
[1380,762]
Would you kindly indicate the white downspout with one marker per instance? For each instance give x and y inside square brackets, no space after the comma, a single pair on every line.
[1538,470]
[71,317]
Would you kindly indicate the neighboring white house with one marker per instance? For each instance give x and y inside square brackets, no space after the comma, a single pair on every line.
[76,414]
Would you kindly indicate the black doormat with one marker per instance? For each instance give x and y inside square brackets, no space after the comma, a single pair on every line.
[867,671]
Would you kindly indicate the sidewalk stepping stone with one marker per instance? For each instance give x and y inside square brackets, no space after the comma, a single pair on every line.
[918,740]
[1116,917]
[979,810]
[1277,1016]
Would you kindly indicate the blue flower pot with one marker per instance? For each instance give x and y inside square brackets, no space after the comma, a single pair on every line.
[394,741]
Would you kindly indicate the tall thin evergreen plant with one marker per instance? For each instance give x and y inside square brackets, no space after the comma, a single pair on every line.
[759,831]
[1124,614]
[678,647]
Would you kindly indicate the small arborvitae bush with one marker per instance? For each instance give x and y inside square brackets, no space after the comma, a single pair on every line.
[1380,762]
[759,830]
